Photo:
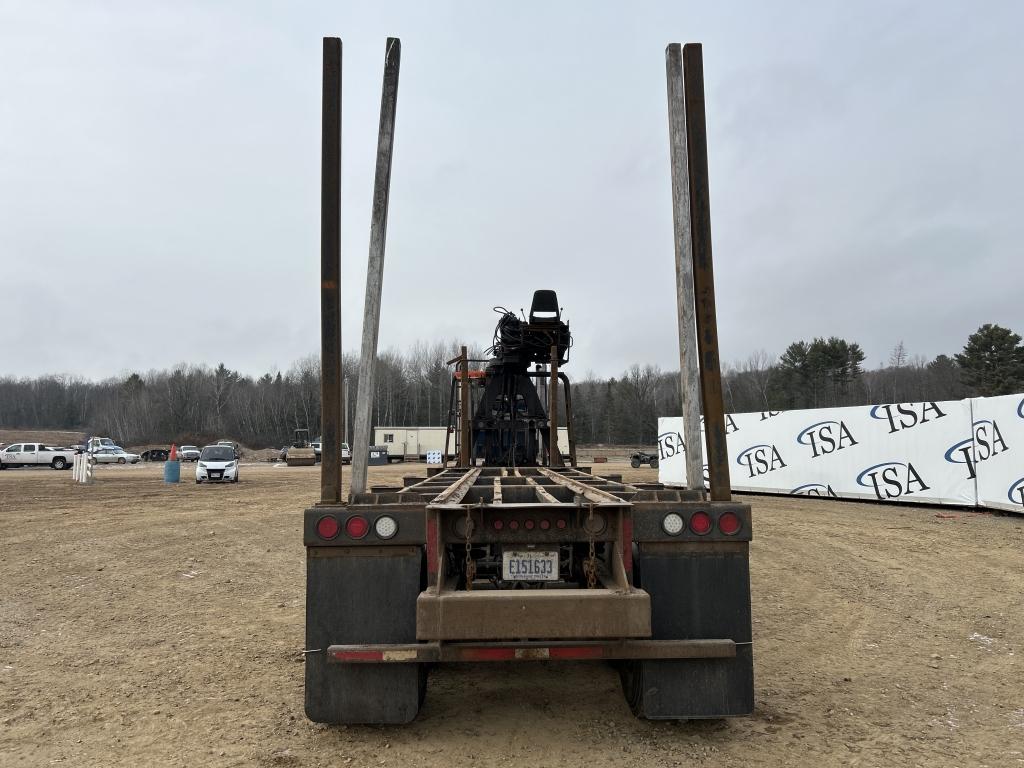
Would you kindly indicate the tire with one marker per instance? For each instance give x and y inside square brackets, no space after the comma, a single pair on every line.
[122,460]
[634,463]
[198,481]
[654,462]
[60,463]
[2,465]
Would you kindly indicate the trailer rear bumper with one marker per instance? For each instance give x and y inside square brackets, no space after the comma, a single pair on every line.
[569,650]
[551,613]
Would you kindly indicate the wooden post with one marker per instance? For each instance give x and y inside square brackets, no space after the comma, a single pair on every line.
[689,369]
[465,433]
[375,266]
[703,273]
[330,275]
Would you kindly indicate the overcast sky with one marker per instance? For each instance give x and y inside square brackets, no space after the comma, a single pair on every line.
[159,176]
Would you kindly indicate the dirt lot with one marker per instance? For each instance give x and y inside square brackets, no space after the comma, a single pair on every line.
[143,624]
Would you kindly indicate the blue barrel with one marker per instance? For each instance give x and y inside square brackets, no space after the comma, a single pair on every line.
[172,471]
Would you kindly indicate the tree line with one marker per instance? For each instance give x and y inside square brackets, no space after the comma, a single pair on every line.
[198,404]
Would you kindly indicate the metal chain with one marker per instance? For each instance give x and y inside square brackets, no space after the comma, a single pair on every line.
[590,564]
[470,563]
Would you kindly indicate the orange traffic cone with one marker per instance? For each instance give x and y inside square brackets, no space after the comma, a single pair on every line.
[174,453]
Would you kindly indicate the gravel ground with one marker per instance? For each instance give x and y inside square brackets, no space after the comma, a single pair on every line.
[144,624]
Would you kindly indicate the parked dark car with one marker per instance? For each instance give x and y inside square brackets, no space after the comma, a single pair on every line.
[156,454]
[640,458]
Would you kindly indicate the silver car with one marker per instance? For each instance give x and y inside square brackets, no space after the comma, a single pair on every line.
[115,455]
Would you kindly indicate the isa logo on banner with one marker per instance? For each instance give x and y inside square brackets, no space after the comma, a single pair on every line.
[892,479]
[906,415]
[1016,492]
[826,437]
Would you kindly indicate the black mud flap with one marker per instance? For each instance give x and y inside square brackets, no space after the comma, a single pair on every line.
[695,594]
[355,597]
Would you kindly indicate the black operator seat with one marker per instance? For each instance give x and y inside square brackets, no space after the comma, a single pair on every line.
[544,307]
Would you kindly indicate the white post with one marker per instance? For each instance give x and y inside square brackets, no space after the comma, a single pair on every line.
[375,268]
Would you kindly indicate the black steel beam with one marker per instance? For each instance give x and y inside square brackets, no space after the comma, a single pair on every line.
[330,275]
[703,273]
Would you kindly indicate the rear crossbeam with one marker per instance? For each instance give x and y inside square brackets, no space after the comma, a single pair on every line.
[532,651]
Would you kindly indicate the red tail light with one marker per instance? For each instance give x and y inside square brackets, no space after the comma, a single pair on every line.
[327,527]
[529,525]
[700,523]
[729,523]
[545,524]
[498,525]
[561,524]
[513,525]
[356,527]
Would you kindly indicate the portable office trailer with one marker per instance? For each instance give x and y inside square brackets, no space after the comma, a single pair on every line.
[413,443]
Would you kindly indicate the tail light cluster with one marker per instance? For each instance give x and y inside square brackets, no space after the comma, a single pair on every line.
[529,524]
[701,523]
[356,527]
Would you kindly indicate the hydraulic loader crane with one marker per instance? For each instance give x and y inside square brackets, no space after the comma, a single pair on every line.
[509,555]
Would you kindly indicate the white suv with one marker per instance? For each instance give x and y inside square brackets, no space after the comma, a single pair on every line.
[217,464]
[188,453]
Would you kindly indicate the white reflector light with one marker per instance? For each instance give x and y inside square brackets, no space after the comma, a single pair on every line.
[673,524]
[385,527]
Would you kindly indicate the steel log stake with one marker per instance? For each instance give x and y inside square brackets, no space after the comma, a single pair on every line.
[689,366]
[375,266]
[554,454]
[703,273]
[330,275]
[465,433]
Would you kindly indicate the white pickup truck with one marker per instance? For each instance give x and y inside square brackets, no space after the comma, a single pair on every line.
[35,455]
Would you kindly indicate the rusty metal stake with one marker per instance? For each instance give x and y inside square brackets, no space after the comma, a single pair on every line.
[554,454]
[703,273]
[465,435]
[330,275]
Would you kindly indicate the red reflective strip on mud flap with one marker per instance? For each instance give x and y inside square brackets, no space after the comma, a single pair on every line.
[358,655]
[627,543]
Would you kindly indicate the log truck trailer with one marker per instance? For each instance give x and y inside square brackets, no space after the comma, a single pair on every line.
[510,554]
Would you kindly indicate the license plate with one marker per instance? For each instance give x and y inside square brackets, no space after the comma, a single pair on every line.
[529,565]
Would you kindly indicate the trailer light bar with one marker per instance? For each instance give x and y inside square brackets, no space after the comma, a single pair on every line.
[729,523]
[356,527]
[385,527]
[700,523]
[327,527]
[672,524]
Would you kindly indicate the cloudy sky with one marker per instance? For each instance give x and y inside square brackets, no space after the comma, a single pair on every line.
[159,175]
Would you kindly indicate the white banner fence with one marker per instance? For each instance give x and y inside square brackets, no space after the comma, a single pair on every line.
[965,452]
